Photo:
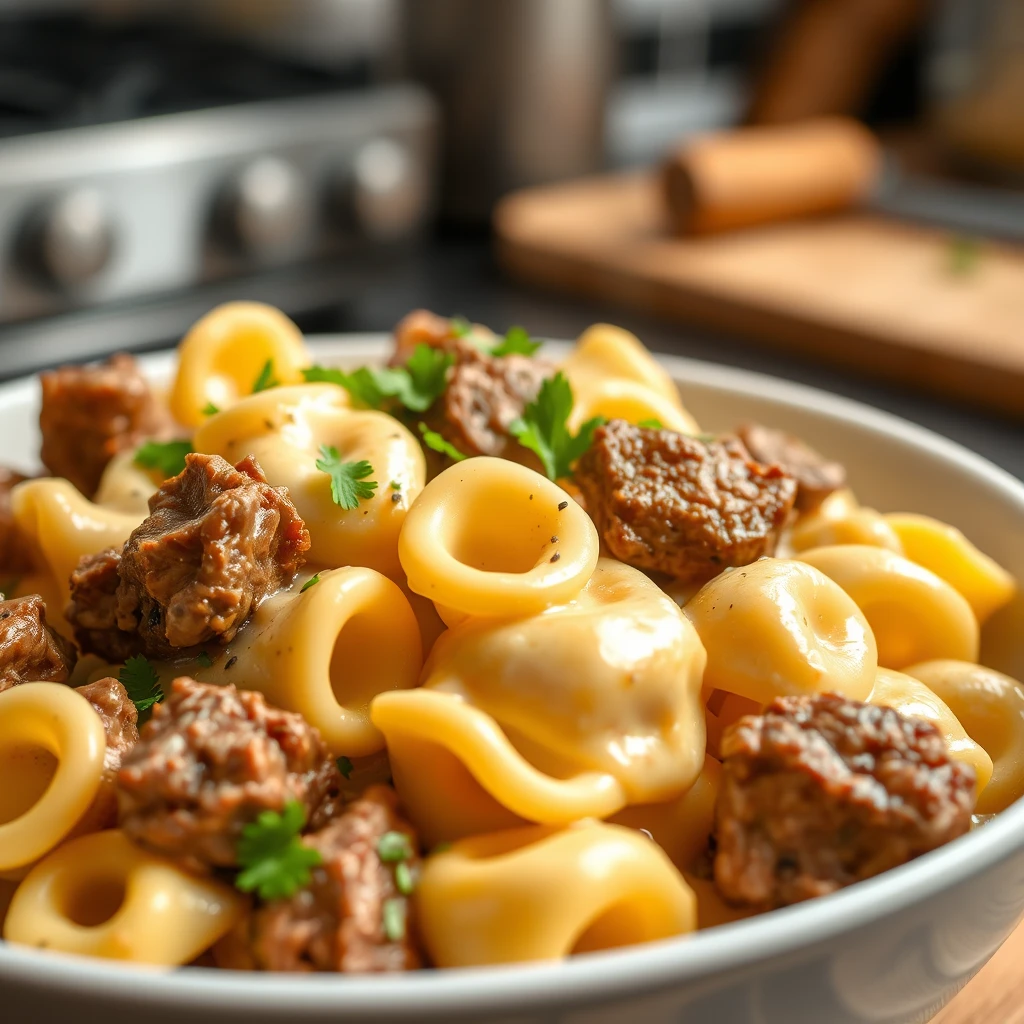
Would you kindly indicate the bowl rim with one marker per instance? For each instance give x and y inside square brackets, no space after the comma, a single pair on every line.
[596,976]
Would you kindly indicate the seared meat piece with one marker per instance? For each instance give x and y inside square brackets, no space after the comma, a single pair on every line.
[121,725]
[15,556]
[820,792]
[680,505]
[336,924]
[208,762]
[816,477]
[421,327]
[30,650]
[90,413]
[93,608]
[218,540]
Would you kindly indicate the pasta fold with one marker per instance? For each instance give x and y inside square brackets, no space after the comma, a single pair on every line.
[616,399]
[840,520]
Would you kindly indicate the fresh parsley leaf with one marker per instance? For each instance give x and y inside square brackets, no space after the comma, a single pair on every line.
[393,918]
[324,375]
[204,660]
[404,881]
[517,341]
[142,683]
[210,409]
[311,582]
[427,370]
[435,442]
[651,424]
[395,485]
[275,861]
[542,428]
[348,479]
[461,327]
[344,765]
[266,379]
[166,456]
[393,847]
[369,387]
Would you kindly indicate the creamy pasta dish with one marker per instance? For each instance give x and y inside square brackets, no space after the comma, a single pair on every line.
[470,658]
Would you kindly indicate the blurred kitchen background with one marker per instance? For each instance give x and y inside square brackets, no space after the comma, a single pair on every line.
[344,159]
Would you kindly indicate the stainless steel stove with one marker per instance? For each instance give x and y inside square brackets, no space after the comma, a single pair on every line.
[146,171]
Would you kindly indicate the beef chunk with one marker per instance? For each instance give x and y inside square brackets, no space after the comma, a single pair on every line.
[819,792]
[15,555]
[208,762]
[816,477]
[120,724]
[680,505]
[29,649]
[336,924]
[421,327]
[218,540]
[90,413]
[92,610]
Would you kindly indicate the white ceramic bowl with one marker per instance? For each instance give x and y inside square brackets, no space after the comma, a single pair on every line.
[887,951]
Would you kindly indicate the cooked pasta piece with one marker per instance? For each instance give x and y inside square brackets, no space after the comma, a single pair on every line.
[224,355]
[778,627]
[914,615]
[541,893]
[125,486]
[99,895]
[839,523]
[562,715]
[489,538]
[990,707]
[952,557]
[52,750]
[616,399]
[909,696]
[327,652]
[285,429]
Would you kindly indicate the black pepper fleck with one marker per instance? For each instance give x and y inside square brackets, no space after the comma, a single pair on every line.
[562,506]
[396,497]
[554,539]
[269,424]
[555,557]
[231,662]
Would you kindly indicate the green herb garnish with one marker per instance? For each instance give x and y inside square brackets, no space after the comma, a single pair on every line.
[348,479]
[204,660]
[460,327]
[393,919]
[395,485]
[404,881]
[311,582]
[266,379]
[435,442]
[210,409]
[344,765]
[142,684]
[517,341]
[166,456]
[651,424]
[393,847]
[275,861]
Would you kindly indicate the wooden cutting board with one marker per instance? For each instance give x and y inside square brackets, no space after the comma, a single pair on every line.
[890,299]
[996,994]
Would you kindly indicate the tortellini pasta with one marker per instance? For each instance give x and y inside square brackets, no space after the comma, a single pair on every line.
[914,615]
[125,486]
[840,520]
[779,627]
[541,893]
[285,428]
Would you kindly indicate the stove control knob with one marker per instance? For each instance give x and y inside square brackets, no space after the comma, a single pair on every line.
[71,238]
[385,191]
[267,209]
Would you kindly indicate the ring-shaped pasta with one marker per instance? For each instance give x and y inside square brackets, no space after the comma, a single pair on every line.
[490,782]
[542,894]
[327,652]
[778,627]
[223,354]
[99,895]
[62,525]
[125,486]
[990,707]
[945,551]
[490,537]
[603,351]
[285,428]
[858,526]
[52,747]
[628,400]
[914,615]
[909,696]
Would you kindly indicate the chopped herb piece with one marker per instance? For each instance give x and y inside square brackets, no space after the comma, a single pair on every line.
[142,684]
[461,327]
[393,847]
[435,442]
[166,456]
[517,341]
[404,882]
[344,765]
[311,582]
[204,660]
[427,370]
[651,424]
[266,379]
[395,485]
[275,861]
[393,919]
[542,428]
[348,479]
[324,375]
[210,409]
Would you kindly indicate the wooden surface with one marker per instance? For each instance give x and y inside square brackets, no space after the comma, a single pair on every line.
[996,994]
[857,290]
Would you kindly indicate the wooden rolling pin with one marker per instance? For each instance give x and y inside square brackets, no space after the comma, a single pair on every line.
[758,175]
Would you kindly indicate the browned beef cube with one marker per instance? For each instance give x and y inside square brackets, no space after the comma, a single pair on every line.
[421,327]
[680,505]
[30,650]
[92,610]
[820,792]
[15,554]
[208,762]
[816,476]
[218,540]
[90,413]
[336,924]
